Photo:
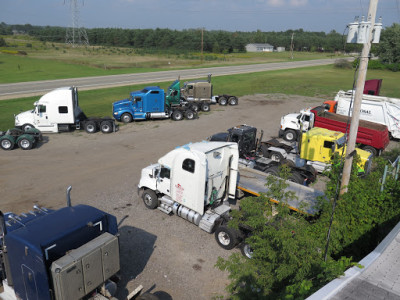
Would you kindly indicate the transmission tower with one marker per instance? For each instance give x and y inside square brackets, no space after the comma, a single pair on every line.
[76,35]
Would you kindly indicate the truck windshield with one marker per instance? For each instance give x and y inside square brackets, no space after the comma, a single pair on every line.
[144,91]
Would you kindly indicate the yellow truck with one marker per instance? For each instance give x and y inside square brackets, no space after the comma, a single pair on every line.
[317,148]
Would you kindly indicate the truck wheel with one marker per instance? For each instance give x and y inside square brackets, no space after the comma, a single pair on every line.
[148,296]
[106,127]
[205,107]
[194,107]
[25,127]
[289,135]
[226,237]
[276,156]
[150,199]
[246,250]
[177,115]
[233,100]
[296,178]
[25,144]
[90,127]
[371,150]
[189,114]
[126,118]
[222,101]
[272,171]
[6,144]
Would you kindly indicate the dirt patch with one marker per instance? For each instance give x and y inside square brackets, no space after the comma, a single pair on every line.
[165,254]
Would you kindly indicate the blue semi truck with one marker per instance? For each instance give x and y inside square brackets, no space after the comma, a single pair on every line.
[152,103]
[69,253]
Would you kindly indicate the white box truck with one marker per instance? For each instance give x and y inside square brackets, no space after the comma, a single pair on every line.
[377,109]
[59,111]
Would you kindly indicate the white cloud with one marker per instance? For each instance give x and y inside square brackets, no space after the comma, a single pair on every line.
[276,3]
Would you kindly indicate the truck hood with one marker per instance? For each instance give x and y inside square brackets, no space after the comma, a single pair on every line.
[24,117]
[121,103]
[291,118]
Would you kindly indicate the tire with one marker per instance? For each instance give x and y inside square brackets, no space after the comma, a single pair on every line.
[106,127]
[90,127]
[371,150]
[273,171]
[148,296]
[276,156]
[7,144]
[289,135]
[233,100]
[222,101]
[177,115]
[150,199]
[296,178]
[189,114]
[25,127]
[25,144]
[246,250]
[126,118]
[205,107]
[226,237]
[194,107]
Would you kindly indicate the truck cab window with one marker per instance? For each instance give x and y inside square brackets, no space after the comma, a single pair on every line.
[41,108]
[165,173]
[328,144]
[188,165]
[137,99]
[63,109]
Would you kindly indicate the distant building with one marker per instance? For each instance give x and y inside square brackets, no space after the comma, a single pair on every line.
[259,48]
[280,49]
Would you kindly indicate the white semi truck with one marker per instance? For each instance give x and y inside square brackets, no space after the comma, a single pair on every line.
[377,109]
[196,181]
[59,111]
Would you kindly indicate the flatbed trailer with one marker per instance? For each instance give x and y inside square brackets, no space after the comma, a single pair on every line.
[253,182]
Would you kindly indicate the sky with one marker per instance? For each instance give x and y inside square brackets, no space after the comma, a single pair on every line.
[229,15]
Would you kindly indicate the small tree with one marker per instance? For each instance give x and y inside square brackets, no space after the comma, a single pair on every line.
[389,45]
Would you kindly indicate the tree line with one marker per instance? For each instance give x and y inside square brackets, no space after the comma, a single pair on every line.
[189,40]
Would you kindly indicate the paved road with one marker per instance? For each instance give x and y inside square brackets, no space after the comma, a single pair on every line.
[33,88]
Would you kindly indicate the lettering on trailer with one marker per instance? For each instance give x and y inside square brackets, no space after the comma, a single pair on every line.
[179,192]
[365,111]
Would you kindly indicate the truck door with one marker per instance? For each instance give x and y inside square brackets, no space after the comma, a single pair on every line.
[306,122]
[163,183]
[29,283]
[42,117]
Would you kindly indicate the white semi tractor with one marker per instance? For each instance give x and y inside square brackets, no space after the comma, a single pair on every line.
[197,180]
[59,111]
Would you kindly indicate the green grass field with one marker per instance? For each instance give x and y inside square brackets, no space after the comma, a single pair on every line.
[323,82]
[44,61]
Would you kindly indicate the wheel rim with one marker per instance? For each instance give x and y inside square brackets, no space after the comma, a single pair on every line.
[232,102]
[26,127]
[223,238]
[90,128]
[24,143]
[6,144]
[275,157]
[148,200]
[289,136]
[105,128]
[189,115]
[126,119]
[178,116]
[248,252]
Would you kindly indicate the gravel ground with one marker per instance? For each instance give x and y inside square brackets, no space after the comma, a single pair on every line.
[166,254]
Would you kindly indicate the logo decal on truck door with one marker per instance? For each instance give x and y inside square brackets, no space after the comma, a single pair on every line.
[179,192]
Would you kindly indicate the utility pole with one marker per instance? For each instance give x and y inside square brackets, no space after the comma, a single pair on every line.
[291,46]
[202,29]
[362,73]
